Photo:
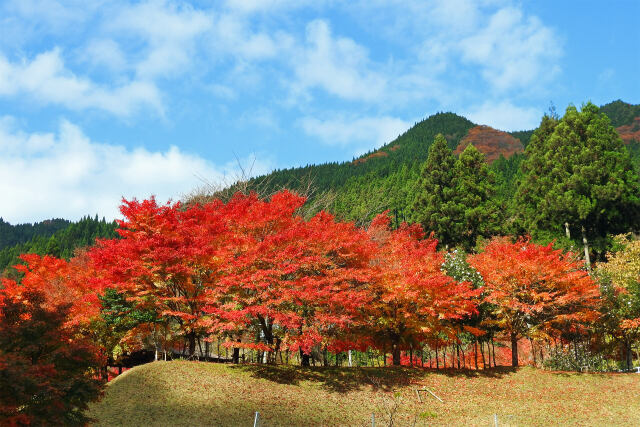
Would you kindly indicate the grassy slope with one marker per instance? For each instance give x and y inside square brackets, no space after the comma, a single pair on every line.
[189,393]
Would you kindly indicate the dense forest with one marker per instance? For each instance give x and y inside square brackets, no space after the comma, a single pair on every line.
[58,238]
[11,235]
[388,178]
[383,179]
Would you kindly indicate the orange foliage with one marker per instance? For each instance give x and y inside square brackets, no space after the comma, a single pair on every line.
[412,297]
[370,156]
[61,282]
[630,132]
[536,290]
[491,142]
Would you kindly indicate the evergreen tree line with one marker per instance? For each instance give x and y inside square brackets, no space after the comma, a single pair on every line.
[11,235]
[390,179]
[575,184]
[61,244]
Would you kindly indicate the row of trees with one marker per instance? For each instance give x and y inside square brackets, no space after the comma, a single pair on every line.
[575,181]
[260,275]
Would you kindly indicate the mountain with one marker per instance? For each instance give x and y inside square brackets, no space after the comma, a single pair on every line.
[493,143]
[11,235]
[385,179]
[62,243]
[621,113]
[382,179]
[631,132]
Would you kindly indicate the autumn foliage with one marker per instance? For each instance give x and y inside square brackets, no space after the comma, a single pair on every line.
[536,291]
[48,361]
[257,275]
[412,297]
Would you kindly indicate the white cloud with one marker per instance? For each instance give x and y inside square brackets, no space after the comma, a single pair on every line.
[358,132]
[494,40]
[513,52]
[504,116]
[105,53]
[338,65]
[253,6]
[46,79]
[169,30]
[45,175]
[55,15]
[232,35]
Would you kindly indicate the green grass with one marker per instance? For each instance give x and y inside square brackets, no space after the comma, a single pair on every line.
[190,393]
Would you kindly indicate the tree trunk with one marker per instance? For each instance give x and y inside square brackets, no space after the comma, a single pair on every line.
[396,355]
[444,357]
[350,361]
[493,346]
[464,358]
[566,230]
[236,354]
[587,259]
[533,352]
[514,349]
[304,359]
[200,348]
[192,343]
[453,358]
[484,361]
[155,341]
[437,359]
[475,350]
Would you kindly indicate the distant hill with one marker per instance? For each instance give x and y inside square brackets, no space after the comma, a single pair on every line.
[631,132]
[382,179]
[385,179]
[409,148]
[493,143]
[61,244]
[11,235]
[621,113]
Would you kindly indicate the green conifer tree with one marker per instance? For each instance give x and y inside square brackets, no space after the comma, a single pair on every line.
[578,180]
[435,202]
[474,192]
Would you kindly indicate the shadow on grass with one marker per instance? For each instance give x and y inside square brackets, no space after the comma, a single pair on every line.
[344,380]
[496,372]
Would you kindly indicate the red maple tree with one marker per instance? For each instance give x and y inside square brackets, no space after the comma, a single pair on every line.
[412,297]
[299,283]
[534,289]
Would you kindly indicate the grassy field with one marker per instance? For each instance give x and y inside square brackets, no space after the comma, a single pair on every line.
[200,394]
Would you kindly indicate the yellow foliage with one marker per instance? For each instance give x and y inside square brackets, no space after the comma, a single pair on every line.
[623,267]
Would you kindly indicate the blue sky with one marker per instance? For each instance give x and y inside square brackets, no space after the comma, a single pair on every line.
[105,99]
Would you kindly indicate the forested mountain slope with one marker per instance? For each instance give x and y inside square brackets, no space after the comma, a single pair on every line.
[61,243]
[385,178]
[11,235]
